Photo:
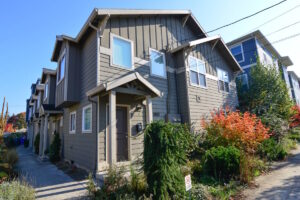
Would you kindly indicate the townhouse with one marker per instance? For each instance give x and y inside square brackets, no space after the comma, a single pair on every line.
[295,86]
[124,69]
[246,49]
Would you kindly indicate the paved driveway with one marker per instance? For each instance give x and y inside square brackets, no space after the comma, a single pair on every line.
[48,181]
[282,183]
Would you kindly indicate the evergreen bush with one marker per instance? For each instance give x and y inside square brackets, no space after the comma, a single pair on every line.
[271,150]
[37,143]
[54,151]
[166,147]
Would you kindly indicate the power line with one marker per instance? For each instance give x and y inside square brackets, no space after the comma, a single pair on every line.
[280,15]
[221,27]
[283,28]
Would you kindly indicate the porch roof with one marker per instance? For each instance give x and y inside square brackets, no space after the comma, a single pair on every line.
[50,109]
[105,87]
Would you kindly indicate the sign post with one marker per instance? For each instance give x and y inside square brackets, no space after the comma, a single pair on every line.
[188,183]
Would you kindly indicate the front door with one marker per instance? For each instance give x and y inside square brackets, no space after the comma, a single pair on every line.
[122,134]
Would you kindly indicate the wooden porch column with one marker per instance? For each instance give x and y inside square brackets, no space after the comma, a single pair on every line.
[112,128]
[149,115]
[45,135]
[41,131]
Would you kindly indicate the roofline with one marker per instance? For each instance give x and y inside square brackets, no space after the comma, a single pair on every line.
[293,72]
[112,12]
[286,61]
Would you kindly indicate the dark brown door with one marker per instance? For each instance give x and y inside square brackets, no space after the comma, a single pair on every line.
[122,134]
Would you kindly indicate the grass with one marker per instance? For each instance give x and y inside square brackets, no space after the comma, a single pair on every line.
[16,190]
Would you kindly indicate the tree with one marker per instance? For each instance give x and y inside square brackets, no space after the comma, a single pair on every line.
[18,120]
[3,117]
[267,93]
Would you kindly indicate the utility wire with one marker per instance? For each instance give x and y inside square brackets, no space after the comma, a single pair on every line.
[283,28]
[221,27]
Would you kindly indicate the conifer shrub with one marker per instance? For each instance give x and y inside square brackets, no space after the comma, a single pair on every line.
[222,163]
[54,151]
[37,143]
[166,147]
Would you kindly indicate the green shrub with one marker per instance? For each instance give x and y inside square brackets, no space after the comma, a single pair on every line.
[54,151]
[278,127]
[26,143]
[271,150]
[198,192]
[11,157]
[166,147]
[16,190]
[37,143]
[222,162]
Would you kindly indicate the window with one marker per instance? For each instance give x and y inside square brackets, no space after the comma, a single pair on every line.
[39,100]
[243,78]
[238,53]
[61,121]
[87,119]
[158,63]
[122,55]
[223,80]
[46,90]
[197,72]
[72,122]
[61,69]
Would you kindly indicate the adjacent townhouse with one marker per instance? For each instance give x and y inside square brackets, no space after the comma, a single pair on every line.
[246,49]
[295,86]
[124,69]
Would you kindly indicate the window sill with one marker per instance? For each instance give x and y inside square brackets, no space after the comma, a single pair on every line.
[71,132]
[157,76]
[121,67]
[86,131]
[198,86]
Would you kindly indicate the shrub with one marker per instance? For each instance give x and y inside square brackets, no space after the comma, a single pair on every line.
[271,150]
[11,157]
[137,183]
[26,143]
[295,118]
[166,147]
[250,166]
[244,131]
[222,162]
[37,143]
[198,192]
[16,190]
[54,151]
[278,127]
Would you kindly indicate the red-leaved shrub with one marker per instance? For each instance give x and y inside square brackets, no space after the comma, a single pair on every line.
[295,119]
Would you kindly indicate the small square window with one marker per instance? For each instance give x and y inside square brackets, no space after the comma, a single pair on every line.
[197,72]
[158,64]
[87,119]
[72,122]
[122,55]
[238,53]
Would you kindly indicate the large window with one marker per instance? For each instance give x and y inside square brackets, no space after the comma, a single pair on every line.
[158,64]
[72,122]
[61,69]
[223,80]
[46,90]
[243,80]
[238,53]
[197,72]
[87,119]
[122,55]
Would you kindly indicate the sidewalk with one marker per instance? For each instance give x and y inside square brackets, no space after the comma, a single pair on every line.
[48,181]
[282,183]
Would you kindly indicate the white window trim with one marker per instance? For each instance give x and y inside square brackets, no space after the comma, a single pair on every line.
[191,83]
[72,131]
[223,81]
[164,60]
[112,36]
[46,92]
[57,69]
[242,51]
[83,109]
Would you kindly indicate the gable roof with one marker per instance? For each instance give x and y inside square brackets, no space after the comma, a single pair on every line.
[99,14]
[45,72]
[122,81]
[219,42]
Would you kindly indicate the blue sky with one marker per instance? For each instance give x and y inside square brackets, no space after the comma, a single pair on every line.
[28,30]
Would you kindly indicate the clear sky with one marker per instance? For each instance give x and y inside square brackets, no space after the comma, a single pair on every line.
[28,30]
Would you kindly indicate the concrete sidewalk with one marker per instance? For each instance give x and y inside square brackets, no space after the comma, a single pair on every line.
[48,181]
[282,183]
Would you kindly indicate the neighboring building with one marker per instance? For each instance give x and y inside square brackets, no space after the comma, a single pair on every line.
[248,48]
[124,69]
[295,86]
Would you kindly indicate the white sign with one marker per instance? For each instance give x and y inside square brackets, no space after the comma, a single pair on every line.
[188,182]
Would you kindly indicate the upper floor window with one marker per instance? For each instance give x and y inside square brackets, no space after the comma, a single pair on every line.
[243,78]
[238,53]
[122,52]
[158,63]
[223,80]
[197,72]
[87,119]
[39,100]
[61,69]
[46,90]
[72,122]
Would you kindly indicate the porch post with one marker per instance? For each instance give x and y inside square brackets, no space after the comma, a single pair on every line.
[41,132]
[112,128]
[45,135]
[149,115]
